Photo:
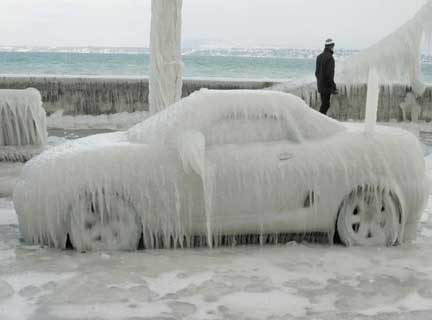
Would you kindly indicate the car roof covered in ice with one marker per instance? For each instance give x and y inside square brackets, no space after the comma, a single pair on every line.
[205,108]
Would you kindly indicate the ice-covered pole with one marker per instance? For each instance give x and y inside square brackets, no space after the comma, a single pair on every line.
[373,90]
[165,84]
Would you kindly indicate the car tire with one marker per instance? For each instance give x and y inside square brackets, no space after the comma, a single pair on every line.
[369,216]
[104,221]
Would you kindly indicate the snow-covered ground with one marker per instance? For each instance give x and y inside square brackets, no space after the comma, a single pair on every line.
[118,121]
[294,281]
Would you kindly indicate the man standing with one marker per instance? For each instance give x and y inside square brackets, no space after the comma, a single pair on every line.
[325,70]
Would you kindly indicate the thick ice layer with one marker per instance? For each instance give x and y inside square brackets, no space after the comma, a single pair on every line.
[222,167]
[396,58]
[165,83]
[22,124]
[235,116]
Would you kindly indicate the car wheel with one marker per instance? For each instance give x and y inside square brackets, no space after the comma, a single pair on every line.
[104,221]
[369,216]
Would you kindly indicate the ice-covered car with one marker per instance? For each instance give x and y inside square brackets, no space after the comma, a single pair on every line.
[223,167]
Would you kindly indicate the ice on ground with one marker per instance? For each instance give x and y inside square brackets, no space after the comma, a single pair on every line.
[396,58]
[294,282]
[117,121]
[24,288]
[23,131]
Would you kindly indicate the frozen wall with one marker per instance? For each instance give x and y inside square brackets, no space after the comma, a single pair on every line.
[85,95]
[107,95]
[96,95]
[165,54]
[351,101]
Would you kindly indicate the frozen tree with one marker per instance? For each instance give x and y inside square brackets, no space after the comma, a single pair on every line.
[396,58]
[165,83]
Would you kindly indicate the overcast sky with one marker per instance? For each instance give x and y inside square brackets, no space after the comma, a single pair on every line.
[285,23]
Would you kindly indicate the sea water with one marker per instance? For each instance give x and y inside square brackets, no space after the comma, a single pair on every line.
[298,70]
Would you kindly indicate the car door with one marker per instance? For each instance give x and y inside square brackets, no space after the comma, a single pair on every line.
[255,178]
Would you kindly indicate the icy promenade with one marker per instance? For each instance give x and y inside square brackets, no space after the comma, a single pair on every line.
[97,95]
[277,282]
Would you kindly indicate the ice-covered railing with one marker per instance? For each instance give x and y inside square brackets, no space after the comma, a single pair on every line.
[350,103]
[23,131]
[396,58]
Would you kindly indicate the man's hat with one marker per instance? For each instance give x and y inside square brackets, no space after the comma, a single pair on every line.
[329,43]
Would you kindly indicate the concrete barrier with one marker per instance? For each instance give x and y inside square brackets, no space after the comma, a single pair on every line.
[350,103]
[97,95]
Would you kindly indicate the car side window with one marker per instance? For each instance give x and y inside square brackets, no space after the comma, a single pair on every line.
[241,128]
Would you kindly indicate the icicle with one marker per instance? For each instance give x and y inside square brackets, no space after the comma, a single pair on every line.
[191,147]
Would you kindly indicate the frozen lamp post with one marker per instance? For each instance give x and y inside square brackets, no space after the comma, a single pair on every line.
[165,83]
